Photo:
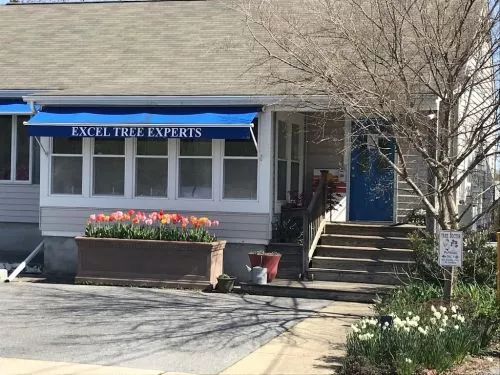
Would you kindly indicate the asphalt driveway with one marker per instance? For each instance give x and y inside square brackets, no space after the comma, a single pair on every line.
[169,330]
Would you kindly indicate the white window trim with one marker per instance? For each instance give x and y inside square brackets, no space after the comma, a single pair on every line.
[212,157]
[51,155]
[289,123]
[13,156]
[135,156]
[224,157]
[126,166]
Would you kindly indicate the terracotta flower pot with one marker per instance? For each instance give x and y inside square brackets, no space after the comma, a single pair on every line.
[269,261]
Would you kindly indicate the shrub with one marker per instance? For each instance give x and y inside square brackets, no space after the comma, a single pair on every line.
[478,263]
[156,225]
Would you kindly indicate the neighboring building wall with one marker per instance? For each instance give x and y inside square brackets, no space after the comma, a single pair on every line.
[406,199]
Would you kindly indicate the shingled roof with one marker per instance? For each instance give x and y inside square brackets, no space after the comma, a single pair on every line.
[140,48]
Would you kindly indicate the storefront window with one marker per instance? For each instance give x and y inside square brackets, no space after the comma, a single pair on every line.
[195,169]
[240,169]
[109,167]
[22,151]
[282,160]
[151,168]
[66,174]
[15,147]
[5,147]
[288,160]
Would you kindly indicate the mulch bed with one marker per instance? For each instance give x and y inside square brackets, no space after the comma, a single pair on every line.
[478,365]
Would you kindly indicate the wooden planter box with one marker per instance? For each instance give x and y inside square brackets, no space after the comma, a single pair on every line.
[149,263]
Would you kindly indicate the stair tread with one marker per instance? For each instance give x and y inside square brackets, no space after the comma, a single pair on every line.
[367,248]
[373,225]
[365,237]
[326,270]
[364,260]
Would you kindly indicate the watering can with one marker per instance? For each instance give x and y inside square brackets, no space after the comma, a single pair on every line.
[258,275]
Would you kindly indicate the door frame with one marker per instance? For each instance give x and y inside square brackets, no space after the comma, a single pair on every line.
[347,168]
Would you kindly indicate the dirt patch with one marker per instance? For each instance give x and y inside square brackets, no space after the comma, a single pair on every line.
[478,365]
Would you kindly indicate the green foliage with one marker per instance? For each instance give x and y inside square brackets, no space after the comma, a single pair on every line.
[435,338]
[288,230]
[224,276]
[479,259]
[148,232]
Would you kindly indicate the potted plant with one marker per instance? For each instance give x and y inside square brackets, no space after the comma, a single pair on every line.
[269,260]
[225,283]
[131,248]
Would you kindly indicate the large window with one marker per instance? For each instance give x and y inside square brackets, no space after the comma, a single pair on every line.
[240,169]
[288,146]
[282,160]
[109,167]
[151,168]
[195,169]
[66,173]
[15,146]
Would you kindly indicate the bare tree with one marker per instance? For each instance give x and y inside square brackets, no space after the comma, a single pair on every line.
[424,68]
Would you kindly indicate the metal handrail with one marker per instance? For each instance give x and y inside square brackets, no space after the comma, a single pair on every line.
[314,220]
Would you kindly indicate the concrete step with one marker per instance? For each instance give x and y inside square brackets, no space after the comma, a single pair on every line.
[354,264]
[350,276]
[369,229]
[337,291]
[365,241]
[374,253]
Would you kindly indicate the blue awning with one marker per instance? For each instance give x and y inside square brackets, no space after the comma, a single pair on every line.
[144,122]
[14,107]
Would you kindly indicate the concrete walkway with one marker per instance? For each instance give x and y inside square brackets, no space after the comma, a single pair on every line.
[314,346]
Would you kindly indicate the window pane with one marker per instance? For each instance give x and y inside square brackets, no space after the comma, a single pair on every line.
[5,146]
[23,151]
[240,179]
[109,146]
[243,147]
[196,148]
[67,145]
[66,175]
[109,176]
[151,177]
[295,141]
[295,173]
[152,147]
[35,163]
[281,140]
[281,180]
[195,178]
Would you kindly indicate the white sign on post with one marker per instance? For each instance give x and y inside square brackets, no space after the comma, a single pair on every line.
[450,248]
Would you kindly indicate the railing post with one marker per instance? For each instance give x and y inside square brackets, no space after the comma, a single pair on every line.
[305,244]
[324,178]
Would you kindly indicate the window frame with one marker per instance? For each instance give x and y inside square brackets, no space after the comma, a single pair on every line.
[135,156]
[223,171]
[51,165]
[92,168]
[13,154]
[290,124]
[178,159]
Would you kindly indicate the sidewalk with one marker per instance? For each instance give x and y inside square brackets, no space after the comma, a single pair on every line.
[314,346]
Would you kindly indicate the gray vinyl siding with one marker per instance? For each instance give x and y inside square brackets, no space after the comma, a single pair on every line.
[19,203]
[233,226]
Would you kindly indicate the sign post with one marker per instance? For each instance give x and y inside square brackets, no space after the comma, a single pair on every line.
[450,256]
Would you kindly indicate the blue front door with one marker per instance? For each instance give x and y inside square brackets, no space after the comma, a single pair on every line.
[371,179]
